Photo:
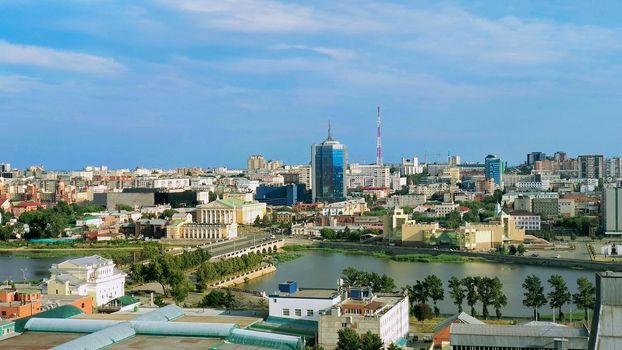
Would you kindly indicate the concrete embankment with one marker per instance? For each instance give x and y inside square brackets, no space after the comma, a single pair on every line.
[241,278]
[508,259]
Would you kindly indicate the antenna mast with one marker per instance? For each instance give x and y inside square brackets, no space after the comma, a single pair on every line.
[379,142]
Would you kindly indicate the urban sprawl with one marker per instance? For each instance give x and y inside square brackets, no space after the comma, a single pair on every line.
[158,258]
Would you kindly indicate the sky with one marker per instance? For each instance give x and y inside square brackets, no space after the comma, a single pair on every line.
[171,83]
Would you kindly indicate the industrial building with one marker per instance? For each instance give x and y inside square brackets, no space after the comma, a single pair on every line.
[169,327]
[301,304]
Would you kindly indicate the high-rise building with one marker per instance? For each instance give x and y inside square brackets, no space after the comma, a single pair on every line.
[372,175]
[533,157]
[560,156]
[591,166]
[453,160]
[5,167]
[494,169]
[613,168]
[329,163]
[612,210]
[256,162]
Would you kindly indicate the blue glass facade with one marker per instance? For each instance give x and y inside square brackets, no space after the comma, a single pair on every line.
[329,161]
[281,195]
[494,169]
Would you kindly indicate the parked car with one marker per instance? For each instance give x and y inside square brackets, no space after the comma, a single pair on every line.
[534,255]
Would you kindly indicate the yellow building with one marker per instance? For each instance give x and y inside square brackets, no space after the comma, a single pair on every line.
[399,229]
[483,237]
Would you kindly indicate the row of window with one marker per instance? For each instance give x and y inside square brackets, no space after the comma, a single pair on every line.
[297,312]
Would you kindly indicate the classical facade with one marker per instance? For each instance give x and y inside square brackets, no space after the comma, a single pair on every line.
[91,275]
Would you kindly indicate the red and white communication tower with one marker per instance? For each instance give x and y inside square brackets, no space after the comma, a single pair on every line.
[379,142]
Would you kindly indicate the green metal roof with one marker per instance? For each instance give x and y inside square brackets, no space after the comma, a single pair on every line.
[65,311]
[127,300]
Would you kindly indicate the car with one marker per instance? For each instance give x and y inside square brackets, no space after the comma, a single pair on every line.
[534,255]
[558,256]
[427,338]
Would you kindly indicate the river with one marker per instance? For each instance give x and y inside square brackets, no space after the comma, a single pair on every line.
[18,268]
[322,270]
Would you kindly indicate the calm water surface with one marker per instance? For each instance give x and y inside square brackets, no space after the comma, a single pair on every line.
[18,268]
[322,269]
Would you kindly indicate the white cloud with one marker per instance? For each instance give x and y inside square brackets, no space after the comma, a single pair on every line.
[17,83]
[336,53]
[56,59]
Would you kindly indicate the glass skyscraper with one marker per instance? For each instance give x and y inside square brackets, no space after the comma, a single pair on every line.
[494,169]
[329,163]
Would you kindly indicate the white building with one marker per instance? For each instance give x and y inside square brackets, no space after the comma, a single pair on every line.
[526,220]
[301,304]
[171,183]
[349,207]
[386,315]
[368,175]
[411,166]
[91,275]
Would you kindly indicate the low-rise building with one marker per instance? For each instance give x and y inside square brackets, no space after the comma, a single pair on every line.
[526,220]
[488,236]
[406,200]
[533,335]
[442,330]
[349,207]
[19,303]
[386,315]
[7,328]
[290,302]
[91,275]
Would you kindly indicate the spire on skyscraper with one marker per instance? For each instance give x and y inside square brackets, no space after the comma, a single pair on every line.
[330,133]
[379,142]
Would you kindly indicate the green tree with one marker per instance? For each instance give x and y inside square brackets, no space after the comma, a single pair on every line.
[434,288]
[418,293]
[168,214]
[534,294]
[456,292]
[212,196]
[217,298]
[422,312]
[559,295]
[512,250]
[584,297]
[472,297]
[371,341]
[123,207]
[520,249]
[485,292]
[453,220]
[471,216]
[392,346]
[498,299]
[180,289]
[348,339]
[328,233]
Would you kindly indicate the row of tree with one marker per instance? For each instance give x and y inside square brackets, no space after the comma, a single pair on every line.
[51,222]
[488,291]
[168,270]
[213,271]
[347,233]
[348,339]
[559,295]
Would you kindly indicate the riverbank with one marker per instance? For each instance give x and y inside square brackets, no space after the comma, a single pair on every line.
[370,249]
[412,257]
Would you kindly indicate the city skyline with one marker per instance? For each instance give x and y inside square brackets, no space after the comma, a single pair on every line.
[109,80]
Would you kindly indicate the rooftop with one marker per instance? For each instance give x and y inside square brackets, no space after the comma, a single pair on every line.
[309,293]
[89,260]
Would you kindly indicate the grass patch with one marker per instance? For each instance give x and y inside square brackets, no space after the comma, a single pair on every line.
[279,258]
[424,258]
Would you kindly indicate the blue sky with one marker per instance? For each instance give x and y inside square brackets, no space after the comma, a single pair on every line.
[169,83]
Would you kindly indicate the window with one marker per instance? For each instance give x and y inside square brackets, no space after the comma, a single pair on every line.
[309,312]
[298,312]
[285,312]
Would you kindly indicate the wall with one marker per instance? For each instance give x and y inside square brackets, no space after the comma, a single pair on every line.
[277,304]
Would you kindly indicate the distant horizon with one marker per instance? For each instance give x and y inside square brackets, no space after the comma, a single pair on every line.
[165,83]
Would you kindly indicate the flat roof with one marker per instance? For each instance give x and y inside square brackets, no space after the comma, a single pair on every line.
[242,321]
[165,343]
[37,341]
[305,293]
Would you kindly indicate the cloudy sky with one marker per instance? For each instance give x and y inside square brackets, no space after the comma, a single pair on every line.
[169,83]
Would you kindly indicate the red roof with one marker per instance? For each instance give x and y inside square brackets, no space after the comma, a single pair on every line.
[28,204]
[3,200]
